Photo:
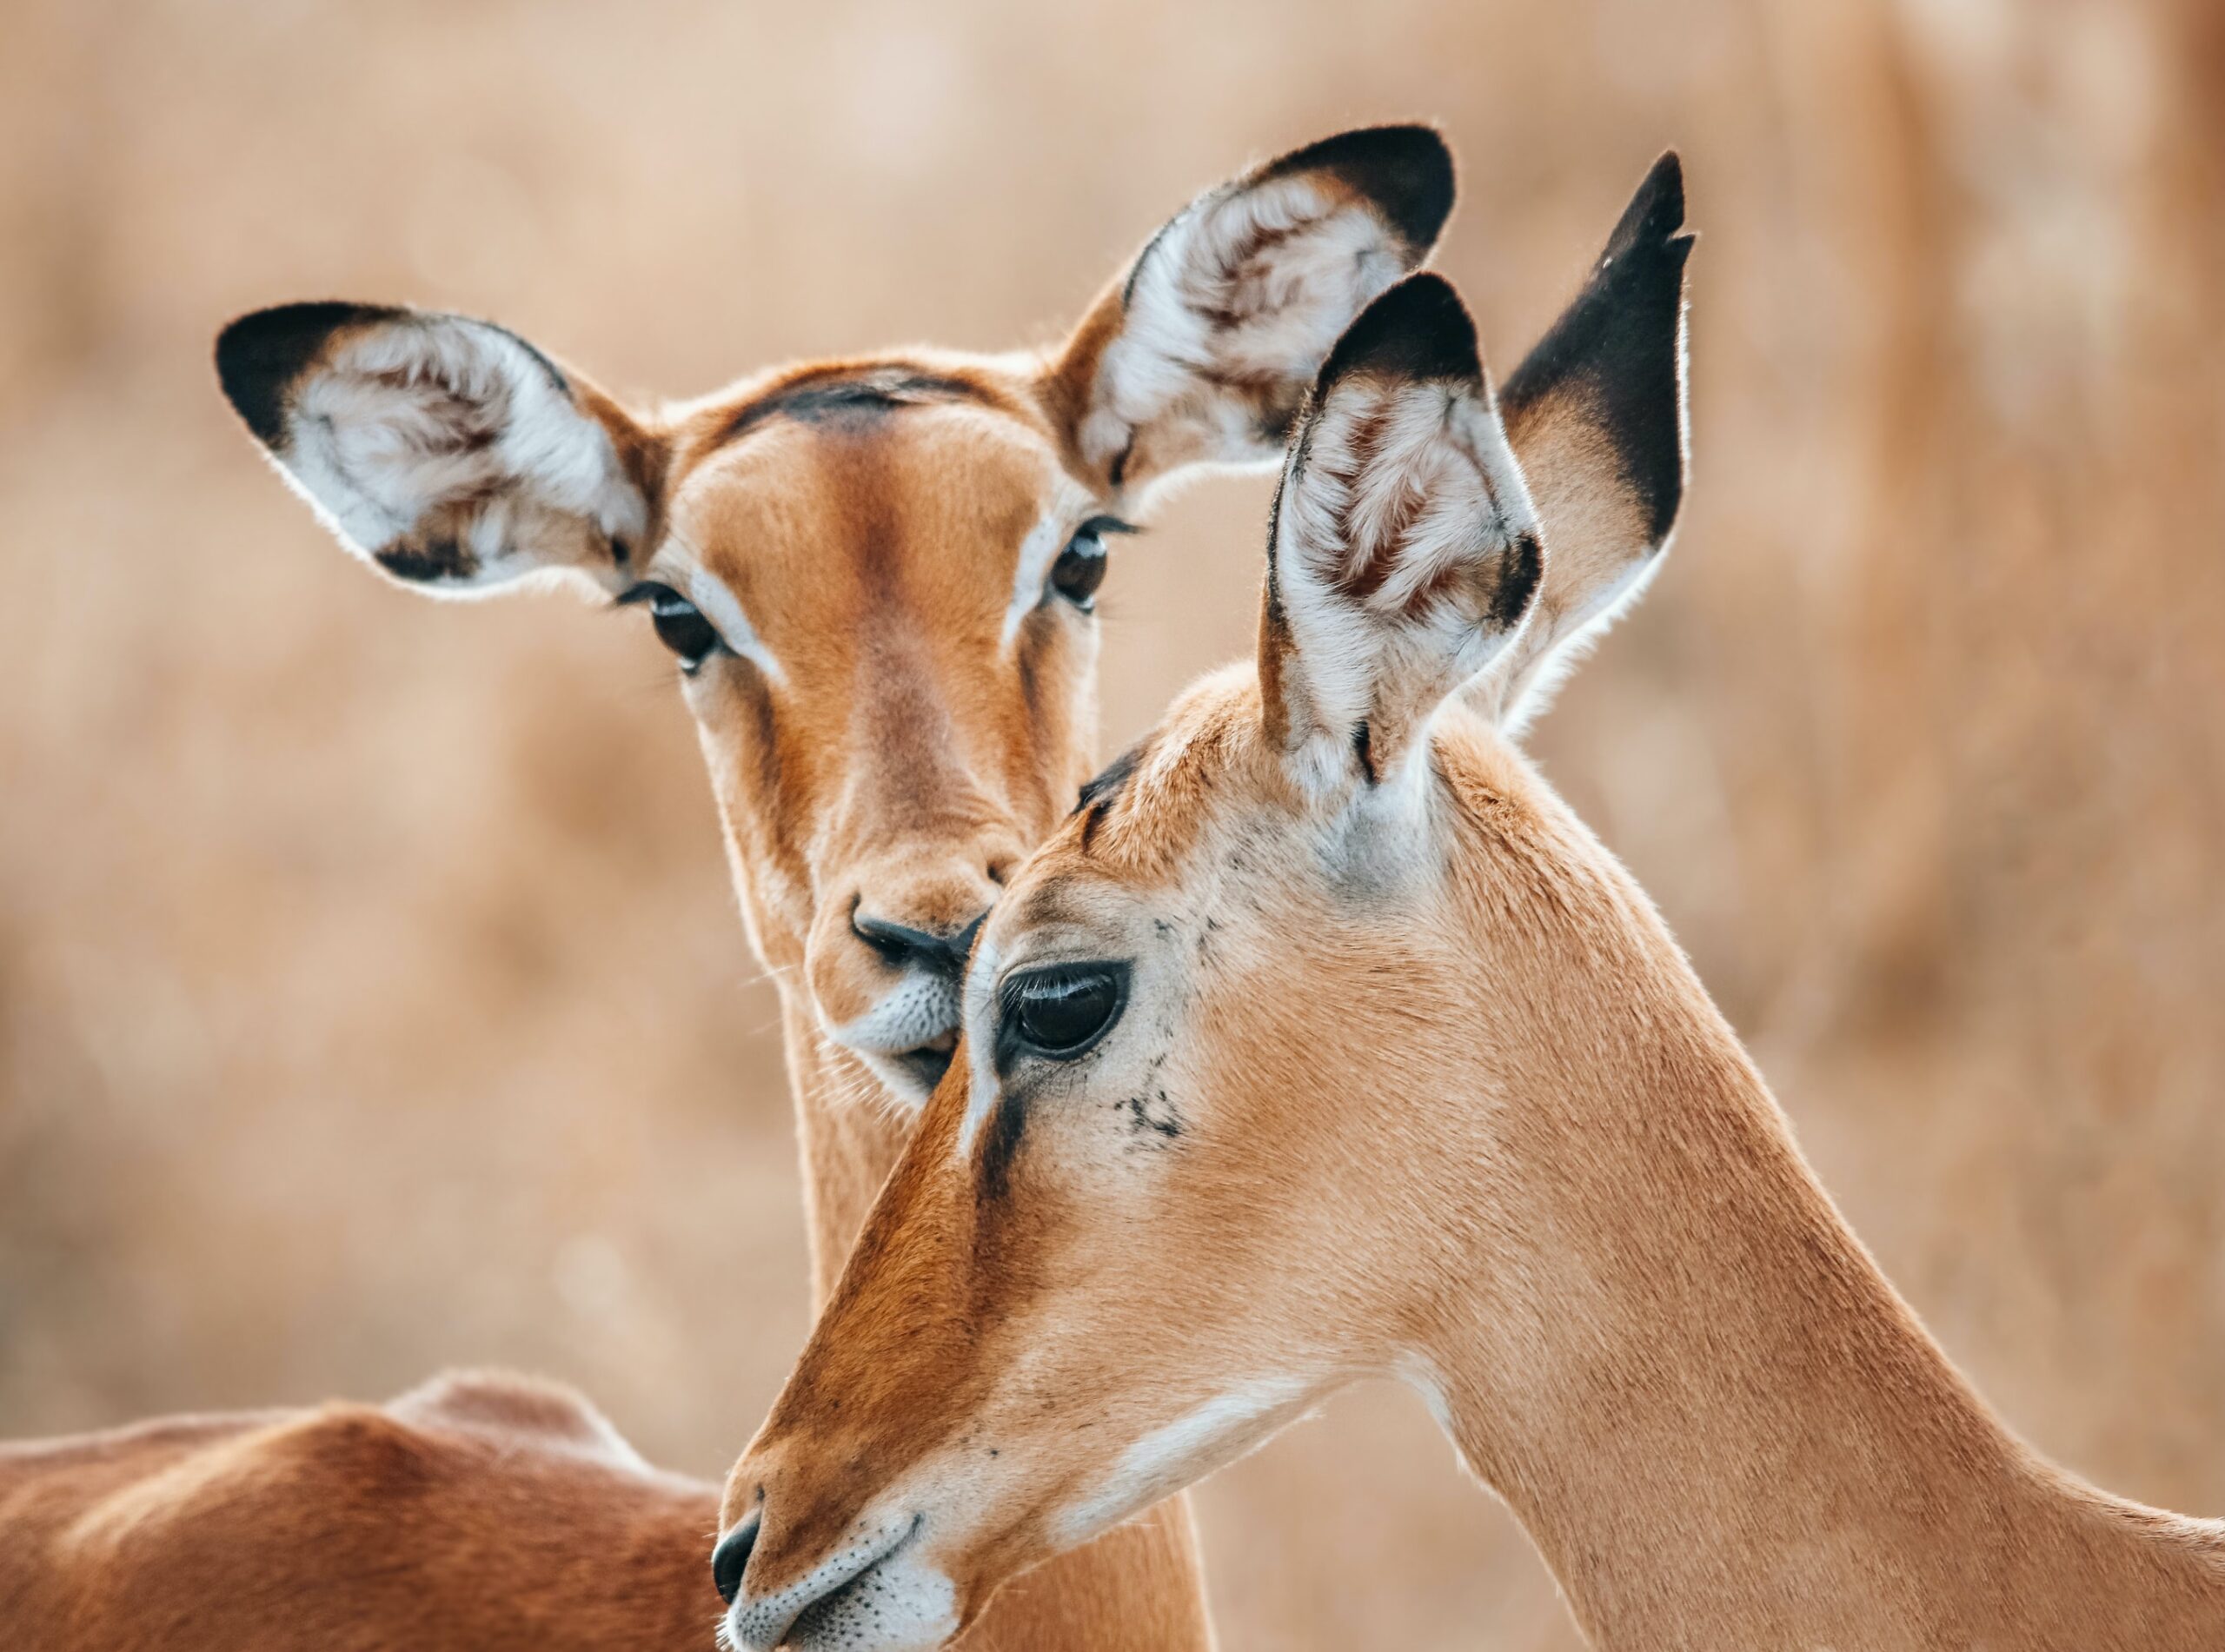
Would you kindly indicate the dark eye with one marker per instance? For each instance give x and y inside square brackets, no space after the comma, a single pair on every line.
[679,625]
[1080,568]
[1062,1011]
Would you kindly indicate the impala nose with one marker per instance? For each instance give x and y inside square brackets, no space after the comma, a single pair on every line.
[922,1016]
[886,961]
[910,948]
[731,1559]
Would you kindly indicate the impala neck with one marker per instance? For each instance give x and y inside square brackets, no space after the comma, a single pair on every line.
[1721,1424]
[1139,1588]
[848,1133]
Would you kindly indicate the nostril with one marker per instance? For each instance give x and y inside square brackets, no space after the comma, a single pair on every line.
[731,1559]
[899,943]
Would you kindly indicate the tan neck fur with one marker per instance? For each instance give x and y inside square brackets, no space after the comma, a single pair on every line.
[1713,1413]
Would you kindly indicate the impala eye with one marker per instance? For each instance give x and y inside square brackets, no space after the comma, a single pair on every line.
[1063,1010]
[679,625]
[1080,568]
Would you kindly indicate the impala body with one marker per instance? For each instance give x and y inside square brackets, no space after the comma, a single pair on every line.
[1324,1042]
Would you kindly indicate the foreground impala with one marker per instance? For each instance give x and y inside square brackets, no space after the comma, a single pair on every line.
[1324,1042]
[878,575]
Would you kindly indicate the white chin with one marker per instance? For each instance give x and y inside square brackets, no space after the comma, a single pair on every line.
[907,1089]
[899,1606]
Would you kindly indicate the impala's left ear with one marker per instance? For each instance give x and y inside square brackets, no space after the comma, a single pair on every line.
[1597,414]
[1404,554]
[1202,351]
[447,453]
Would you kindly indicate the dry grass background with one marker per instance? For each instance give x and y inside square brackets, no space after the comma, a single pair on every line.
[371,998]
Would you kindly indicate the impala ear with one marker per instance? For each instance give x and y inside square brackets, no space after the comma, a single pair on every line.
[447,451]
[1596,415]
[1202,352]
[1403,552]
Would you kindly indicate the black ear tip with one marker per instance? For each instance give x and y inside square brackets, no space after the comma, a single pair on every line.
[260,356]
[1417,330]
[1617,350]
[1404,169]
[1656,214]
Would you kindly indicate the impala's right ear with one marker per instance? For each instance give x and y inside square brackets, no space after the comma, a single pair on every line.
[1203,351]
[447,451]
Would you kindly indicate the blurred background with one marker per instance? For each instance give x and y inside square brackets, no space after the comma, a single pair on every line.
[371,994]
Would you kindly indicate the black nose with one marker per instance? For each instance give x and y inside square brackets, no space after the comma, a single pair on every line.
[917,948]
[731,1559]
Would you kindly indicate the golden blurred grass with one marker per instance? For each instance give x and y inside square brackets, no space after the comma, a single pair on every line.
[371,994]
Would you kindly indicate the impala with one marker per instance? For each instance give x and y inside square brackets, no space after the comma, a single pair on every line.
[1324,1042]
[878,575]
[357,1529]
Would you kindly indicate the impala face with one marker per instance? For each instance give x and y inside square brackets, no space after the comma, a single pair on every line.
[877,574]
[1174,1194]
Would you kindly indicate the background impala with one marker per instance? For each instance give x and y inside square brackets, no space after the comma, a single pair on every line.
[330,921]
[879,575]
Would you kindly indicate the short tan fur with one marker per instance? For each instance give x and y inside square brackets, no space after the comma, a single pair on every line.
[1324,1041]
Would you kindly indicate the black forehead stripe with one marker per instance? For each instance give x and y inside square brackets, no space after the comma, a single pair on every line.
[876,391]
[1111,779]
[1099,796]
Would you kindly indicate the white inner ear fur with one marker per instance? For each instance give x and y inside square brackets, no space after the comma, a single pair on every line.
[413,414]
[1290,305]
[1438,487]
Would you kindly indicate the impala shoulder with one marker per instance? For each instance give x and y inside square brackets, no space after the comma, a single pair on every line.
[354,1446]
[520,1410]
[308,1469]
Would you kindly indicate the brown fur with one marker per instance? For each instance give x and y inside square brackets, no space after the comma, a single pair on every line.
[908,763]
[913,755]
[480,1513]
[1452,1108]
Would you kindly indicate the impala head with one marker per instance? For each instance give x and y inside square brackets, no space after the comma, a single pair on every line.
[1181,1182]
[877,573]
